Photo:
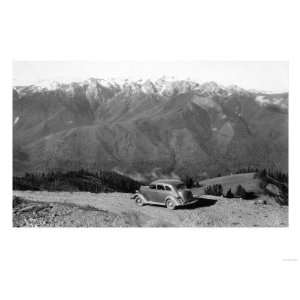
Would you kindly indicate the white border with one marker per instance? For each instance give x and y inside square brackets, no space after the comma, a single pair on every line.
[148,263]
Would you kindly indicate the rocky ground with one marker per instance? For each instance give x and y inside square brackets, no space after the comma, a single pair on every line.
[39,214]
[81,209]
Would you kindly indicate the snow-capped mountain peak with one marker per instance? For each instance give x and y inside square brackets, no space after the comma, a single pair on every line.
[165,86]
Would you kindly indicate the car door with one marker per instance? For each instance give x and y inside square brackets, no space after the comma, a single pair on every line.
[151,193]
[160,193]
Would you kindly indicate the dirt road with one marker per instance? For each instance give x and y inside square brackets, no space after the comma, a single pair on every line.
[205,213]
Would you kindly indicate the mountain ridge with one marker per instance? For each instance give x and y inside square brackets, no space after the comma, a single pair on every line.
[148,127]
[156,85]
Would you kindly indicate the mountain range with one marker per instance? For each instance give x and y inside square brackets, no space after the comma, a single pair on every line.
[148,128]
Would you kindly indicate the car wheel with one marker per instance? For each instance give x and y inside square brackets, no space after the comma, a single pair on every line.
[170,204]
[139,201]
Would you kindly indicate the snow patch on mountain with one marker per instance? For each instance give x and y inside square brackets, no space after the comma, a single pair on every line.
[164,86]
[16,120]
[263,100]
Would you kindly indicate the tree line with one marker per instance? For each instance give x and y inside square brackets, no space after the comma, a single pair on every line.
[240,192]
[81,180]
[277,175]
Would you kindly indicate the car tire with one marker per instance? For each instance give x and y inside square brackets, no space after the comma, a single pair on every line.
[139,201]
[170,204]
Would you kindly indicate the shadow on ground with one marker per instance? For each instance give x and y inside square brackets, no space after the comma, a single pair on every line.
[200,203]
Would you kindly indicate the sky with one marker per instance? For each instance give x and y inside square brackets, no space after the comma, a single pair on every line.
[266,76]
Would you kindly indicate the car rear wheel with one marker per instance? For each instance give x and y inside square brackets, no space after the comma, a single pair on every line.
[139,201]
[170,204]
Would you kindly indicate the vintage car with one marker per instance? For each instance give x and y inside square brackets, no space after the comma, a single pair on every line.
[167,192]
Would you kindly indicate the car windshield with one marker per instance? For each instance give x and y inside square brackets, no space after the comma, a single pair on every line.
[180,186]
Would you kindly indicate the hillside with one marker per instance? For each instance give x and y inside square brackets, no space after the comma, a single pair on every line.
[148,129]
[248,180]
[75,181]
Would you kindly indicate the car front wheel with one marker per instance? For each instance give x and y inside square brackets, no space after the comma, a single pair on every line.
[139,201]
[170,204]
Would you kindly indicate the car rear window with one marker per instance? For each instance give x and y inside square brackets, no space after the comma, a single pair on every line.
[167,188]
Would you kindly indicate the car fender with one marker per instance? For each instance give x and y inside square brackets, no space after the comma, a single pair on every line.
[139,195]
[172,198]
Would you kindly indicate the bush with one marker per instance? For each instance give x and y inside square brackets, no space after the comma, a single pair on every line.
[229,194]
[189,182]
[215,190]
[240,192]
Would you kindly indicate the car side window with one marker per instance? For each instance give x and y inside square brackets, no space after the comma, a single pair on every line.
[160,187]
[167,188]
[152,187]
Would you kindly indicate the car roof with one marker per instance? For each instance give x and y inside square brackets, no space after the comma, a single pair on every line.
[167,181]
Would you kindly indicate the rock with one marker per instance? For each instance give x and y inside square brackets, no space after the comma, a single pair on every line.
[273,189]
[282,200]
[260,202]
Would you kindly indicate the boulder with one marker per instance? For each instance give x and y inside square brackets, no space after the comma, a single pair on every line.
[273,189]
[260,202]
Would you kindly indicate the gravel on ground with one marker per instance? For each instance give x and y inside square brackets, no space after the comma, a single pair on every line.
[83,209]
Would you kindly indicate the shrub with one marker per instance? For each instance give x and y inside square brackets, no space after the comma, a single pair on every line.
[189,182]
[229,194]
[215,190]
[240,192]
